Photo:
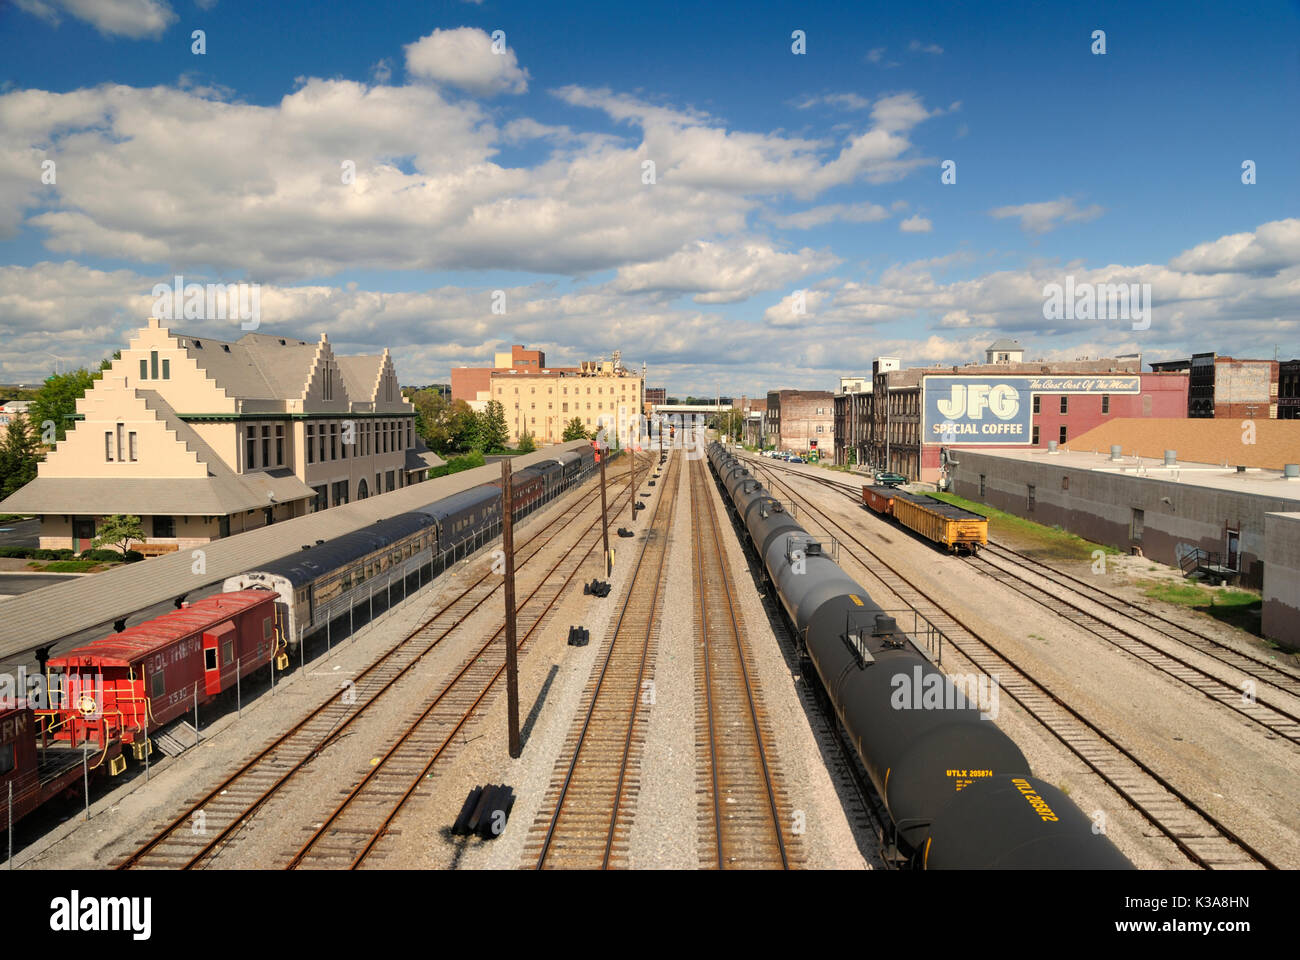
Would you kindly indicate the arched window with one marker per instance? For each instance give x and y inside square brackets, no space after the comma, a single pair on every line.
[362,490]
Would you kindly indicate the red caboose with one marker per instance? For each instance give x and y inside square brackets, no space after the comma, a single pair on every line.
[125,685]
[35,775]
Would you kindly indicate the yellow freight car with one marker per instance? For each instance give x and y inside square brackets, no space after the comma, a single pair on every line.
[941,522]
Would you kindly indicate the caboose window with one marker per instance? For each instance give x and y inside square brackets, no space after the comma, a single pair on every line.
[210,658]
[158,684]
[266,629]
[6,759]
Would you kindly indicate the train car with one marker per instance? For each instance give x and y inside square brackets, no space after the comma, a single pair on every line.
[120,688]
[941,522]
[958,791]
[587,456]
[527,490]
[323,580]
[466,520]
[37,776]
[880,499]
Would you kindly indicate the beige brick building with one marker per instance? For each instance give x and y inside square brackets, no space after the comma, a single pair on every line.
[202,438]
[600,393]
[801,420]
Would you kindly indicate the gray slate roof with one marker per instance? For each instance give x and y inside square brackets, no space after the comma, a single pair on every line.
[64,609]
[1005,344]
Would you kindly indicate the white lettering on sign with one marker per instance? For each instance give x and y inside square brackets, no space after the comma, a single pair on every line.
[970,401]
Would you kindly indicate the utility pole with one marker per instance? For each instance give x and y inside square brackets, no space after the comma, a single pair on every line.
[604,511]
[512,665]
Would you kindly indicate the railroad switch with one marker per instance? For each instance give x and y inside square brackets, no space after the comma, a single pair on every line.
[578,636]
[485,812]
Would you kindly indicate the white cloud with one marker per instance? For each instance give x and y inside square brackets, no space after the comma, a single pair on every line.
[1048,215]
[816,216]
[463,58]
[916,46]
[115,18]
[842,101]
[722,273]
[1271,247]
[916,224]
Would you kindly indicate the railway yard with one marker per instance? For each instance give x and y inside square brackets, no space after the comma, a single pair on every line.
[696,727]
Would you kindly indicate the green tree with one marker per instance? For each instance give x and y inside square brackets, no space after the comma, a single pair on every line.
[526,443]
[17,456]
[493,432]
[118,531]
[574,430]
[56,400]
[464,427]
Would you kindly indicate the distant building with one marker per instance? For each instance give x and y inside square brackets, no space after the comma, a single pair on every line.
[656,395]
[12,411]
[852,420]
[1288,390]
[1035,404]
[1229,388]
[472,384]
[202,438]
[1004,351]
[801,421]
[597,392]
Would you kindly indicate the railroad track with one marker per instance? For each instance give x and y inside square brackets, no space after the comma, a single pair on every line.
[198,835]
[1194,830]
[1284,677]
[1249,703]
[741,808]
[586,816]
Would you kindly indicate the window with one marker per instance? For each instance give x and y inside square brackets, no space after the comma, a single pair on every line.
[1038,403]
[981,486]
[340,492]
[1065,404]
[1136,525]
[153,364]
[266,446]
[210,658]
[7,759]
[1065,483]
[164,526]
[1105,403]
[1035,436]
[388,477]
[279,444]
[311,446]
[1032,491]
[228,653]
[250,448]
[167,369]
[321,433]
[1063,434]
[410,427]
[320,503]
[132,450]
[266,628]
[108,446]
[144,369]
[334,441]
[157,684]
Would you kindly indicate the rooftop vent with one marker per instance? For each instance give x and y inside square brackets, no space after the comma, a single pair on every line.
[1116,451]
[1052,446]
[1171,458]
[1291,471]
[282,343]
[225,347]
[1241,469]
[198,344]
[812,549]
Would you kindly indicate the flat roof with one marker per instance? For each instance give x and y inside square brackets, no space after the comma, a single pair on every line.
[41,617]
[1273,443]
[1254,481]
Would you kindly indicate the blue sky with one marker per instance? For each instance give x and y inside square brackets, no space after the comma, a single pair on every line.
[775,173]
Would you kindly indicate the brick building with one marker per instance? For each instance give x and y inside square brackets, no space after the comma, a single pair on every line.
[1288,390]
[801,420]
[852,420]
[1065,399]
[473,384]
[1227,387]
[598,392]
